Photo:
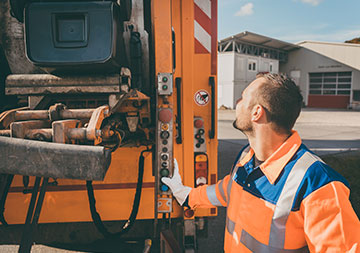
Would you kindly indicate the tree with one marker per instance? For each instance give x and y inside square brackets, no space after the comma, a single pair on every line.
[354,40]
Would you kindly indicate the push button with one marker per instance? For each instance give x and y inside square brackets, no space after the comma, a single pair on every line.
[164,188]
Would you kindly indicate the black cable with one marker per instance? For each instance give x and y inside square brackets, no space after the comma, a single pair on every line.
[130,222]
[9,179]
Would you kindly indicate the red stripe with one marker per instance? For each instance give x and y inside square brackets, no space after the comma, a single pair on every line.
[199,48]
[214,19]
[202,19]
[59,188]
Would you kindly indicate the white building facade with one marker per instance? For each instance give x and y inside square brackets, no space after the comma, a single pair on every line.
[243,56]
[328,74]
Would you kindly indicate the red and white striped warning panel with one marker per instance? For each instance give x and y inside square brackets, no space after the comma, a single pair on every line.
[205,28]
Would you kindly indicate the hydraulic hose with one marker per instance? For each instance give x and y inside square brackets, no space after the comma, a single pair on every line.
[130,222]
[9,179]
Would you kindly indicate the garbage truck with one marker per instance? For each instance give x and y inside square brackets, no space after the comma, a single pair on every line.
[97,99]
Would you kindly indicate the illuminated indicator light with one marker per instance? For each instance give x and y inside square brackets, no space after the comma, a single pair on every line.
[198,123]
[188,213]
[164,87]
[197,136]
[201,169]
[165,115]
[164,188]
[201,158]
[201,131]
[164,172]
[164,79]
[165,127]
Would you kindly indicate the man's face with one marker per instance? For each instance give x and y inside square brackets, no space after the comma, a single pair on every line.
[244,107]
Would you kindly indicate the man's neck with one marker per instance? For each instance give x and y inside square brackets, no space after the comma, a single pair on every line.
[266,142]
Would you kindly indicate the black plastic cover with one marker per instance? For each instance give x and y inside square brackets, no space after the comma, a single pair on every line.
[75,36]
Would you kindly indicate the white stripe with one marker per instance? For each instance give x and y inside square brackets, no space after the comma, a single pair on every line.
[205,6]
[211,194]
[286,199]
[334,149]
[202,36]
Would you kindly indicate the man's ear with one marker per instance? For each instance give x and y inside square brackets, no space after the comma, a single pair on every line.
[258,113]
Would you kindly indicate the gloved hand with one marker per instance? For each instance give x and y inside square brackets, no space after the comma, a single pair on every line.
[179,191]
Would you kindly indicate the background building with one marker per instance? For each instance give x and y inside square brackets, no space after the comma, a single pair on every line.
[241,57]
[328,74]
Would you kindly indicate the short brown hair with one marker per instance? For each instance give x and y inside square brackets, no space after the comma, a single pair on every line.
[281,99]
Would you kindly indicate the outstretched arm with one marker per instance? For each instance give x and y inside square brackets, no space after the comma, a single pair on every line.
[203,196]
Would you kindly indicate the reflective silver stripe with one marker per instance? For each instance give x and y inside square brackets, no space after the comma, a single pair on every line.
[230,225]
[255,246]
[286,199]
[211,194]
[221,190]
[243,154]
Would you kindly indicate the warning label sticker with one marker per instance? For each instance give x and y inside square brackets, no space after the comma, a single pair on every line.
[201,97]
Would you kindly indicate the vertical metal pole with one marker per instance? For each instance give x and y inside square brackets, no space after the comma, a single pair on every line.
[32,220]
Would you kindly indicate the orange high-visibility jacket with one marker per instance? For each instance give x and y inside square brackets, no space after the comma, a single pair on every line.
[292,202]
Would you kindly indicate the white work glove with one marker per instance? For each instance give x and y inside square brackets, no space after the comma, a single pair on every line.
[179,191]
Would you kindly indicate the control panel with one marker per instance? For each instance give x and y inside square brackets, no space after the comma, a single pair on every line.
[165,86]
[199,135]
[165,146]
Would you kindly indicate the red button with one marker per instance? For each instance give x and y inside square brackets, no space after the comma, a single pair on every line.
[199,123]
[188,213]
[165,115]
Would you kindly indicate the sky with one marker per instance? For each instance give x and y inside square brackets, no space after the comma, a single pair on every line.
[291,20]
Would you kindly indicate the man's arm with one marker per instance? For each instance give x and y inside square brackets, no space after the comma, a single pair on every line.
[330,223]
[207,196]
[204,196]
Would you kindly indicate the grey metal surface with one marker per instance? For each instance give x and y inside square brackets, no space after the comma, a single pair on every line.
[37,84]
[54,160]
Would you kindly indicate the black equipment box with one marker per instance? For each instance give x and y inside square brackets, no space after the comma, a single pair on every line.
[75,36]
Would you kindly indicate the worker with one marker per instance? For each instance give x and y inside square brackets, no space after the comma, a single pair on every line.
[280,197]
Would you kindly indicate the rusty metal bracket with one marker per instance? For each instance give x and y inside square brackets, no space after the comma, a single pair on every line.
[7,117]
[55,111]
[93,131]
[23,129]
[61,129]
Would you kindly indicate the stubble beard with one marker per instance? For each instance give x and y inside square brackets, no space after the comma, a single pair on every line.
[247,128]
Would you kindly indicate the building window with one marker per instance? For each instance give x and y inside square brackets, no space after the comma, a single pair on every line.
[271,67]
[330,83]
[252,65]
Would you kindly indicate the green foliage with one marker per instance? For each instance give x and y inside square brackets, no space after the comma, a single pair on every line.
[354,40]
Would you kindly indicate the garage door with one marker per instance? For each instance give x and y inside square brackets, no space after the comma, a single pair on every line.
[329,89]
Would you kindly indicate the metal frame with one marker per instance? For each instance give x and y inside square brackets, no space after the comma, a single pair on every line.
[252,49]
